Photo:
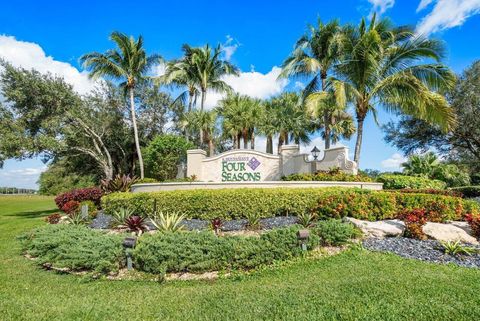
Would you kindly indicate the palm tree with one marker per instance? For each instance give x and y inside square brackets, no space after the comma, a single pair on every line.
[209,69]
[387,66]
[241,117]
[421,165]
[268,124]
[205,122]
[182,73]
[314,56]
[128,63]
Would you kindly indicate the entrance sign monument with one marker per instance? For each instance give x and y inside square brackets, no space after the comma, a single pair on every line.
[245,168]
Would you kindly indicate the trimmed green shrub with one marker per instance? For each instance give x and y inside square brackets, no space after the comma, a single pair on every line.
[331,176]
[392,181]
[75,247]
[468,191]
[335,232]
[200,252]
[325,202]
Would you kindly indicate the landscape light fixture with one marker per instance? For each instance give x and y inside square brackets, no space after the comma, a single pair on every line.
[303,236]
[129,243]
[315,152]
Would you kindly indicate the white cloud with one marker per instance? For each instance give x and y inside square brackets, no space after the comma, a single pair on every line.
[394,161]
[230,46]
[380,6]
[299,85]
[21,177]
[30,55]
[252,83]
[446,14]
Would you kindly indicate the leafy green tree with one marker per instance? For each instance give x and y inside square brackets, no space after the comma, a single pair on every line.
[388,66]
[128,63]
[314,56]
[163,154]
[59,178]
[462,143]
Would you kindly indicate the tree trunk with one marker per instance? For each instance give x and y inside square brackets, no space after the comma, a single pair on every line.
[234,139]
[269,144]
[358,144]
[211,147]
[204,96]
[190,101]
[239,138]
[135,133]
[245,139]
[280,142]
[252,140]
[326,120]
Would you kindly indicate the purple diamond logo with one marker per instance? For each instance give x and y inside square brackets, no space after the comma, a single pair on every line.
[253,163]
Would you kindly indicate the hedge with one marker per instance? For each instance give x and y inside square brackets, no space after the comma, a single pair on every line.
[392,181]
[327,202]
[328,177]
[468,191]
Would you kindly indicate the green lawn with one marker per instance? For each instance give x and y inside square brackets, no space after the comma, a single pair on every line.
[353,285]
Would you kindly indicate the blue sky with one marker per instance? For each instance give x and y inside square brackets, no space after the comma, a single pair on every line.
[256,36]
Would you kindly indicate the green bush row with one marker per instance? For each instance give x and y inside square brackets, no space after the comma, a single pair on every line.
[468,191]
[392,181]
[75,247]
[79,248]
[328,176]
[327,202]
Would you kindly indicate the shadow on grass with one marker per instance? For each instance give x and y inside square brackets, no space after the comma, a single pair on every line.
[33,214]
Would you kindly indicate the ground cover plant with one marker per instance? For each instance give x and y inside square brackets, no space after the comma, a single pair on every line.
[353,285]
[261,203]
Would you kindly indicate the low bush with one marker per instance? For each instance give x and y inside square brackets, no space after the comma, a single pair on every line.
[93,194]
[392,181]
[200,252]
[335,232]
[75,247]
[414,221]
[474,222]
[261,203]
[468,191]
[332,175]
[53,218]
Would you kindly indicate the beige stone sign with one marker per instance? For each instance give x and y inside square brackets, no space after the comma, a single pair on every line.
[253,166]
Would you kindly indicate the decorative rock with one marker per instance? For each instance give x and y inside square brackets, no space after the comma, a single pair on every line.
[379,229]
[448,232]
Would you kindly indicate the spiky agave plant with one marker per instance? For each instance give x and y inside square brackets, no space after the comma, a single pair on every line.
[168,222]
[119,217]
[456,248]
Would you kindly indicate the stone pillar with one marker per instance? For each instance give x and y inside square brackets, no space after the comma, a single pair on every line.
[288,154]
[194,162]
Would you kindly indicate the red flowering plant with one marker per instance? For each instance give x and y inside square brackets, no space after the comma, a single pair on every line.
[135,224]
[53,218]
[71,207]
[93,194]
[414,220]
[216,224]
[474,221]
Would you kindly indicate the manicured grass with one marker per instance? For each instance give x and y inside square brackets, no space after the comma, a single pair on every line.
[352,285]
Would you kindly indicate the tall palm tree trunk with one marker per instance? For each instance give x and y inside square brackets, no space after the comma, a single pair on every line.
[326,118]
[239,138]
[234,139]
[204,97]
[135,133]
[252,140]
[190,101]
[358,143]
[269,148]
